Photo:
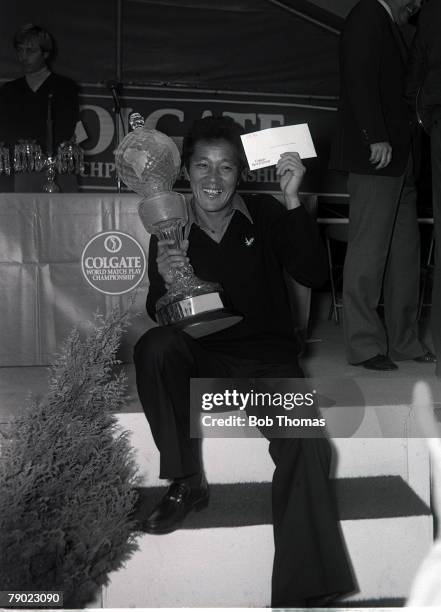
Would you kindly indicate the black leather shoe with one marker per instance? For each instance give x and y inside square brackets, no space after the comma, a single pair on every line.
[171,511]
[380,363]
[426,358]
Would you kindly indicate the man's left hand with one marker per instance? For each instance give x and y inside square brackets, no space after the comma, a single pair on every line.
[290,170]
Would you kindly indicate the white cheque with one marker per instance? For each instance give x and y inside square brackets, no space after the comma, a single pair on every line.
[265,147]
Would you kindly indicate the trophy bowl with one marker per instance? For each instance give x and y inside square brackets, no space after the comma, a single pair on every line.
[148,162]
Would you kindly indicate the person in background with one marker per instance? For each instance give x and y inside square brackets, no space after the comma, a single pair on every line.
[245,244]
[26,101]
[423,91]
[374,144]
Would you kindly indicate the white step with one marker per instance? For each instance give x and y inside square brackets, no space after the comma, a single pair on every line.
[231,567]
[211,566]
[229,460]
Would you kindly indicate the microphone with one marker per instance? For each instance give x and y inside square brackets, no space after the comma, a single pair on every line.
[117,85]
[115,89]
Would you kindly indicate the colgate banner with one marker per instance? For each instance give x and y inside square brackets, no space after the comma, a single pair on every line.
[172,111]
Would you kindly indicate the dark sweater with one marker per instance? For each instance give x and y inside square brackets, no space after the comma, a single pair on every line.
[23,112]
[252,276]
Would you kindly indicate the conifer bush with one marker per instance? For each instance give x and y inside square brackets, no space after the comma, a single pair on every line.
[67,475]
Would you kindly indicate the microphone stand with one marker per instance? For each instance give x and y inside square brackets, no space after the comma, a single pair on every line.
[114,87]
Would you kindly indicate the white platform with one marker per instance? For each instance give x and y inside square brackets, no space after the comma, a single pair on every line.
[231,567]
[228,460]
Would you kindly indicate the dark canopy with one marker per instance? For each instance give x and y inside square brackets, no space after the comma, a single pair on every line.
[287,46]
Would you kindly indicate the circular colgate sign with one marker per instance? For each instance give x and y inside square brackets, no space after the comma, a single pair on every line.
[113,262]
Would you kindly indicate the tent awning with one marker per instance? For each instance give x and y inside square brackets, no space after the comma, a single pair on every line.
[285,46]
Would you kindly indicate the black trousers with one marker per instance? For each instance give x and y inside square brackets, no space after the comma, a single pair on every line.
[310,559]
[435,140]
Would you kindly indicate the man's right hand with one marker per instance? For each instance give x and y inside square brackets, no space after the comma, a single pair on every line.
[381,154]
[169,258]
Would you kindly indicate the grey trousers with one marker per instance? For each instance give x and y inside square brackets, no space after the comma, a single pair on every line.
[383,254]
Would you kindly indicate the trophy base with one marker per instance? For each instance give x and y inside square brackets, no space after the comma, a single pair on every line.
[51,188]
[198,316]
[208,323]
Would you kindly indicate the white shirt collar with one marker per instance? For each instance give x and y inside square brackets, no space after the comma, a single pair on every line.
[387,7]
[238,204]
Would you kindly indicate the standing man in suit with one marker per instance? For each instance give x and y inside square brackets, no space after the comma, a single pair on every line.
[374,145]
[424,87]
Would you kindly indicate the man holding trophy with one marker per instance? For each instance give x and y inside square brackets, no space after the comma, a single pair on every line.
[242,246]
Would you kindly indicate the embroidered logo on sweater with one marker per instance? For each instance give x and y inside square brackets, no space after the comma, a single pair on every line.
[249,241]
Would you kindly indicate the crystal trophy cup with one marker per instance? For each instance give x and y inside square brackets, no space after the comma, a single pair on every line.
[148,162]
[5,160]
[68,160]
[29,157]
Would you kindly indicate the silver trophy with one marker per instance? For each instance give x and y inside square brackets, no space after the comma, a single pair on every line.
[29,157]
[5,160]
[68,160]
[148,162]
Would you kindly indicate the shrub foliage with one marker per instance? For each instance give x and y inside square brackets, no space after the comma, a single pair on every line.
[67,475]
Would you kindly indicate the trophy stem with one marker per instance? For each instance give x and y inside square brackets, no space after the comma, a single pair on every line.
[171,229]
[50,186]
[183,276]
[185,284]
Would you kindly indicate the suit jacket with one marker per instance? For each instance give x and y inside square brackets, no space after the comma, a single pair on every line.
[372,108]
[424,70]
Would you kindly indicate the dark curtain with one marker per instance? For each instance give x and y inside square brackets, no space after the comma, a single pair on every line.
[226,44]
[234,44]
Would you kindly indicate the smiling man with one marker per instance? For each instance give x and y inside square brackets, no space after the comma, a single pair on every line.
[245,244]
[374,145]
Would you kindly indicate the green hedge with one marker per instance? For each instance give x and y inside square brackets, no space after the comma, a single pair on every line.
[67,475]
